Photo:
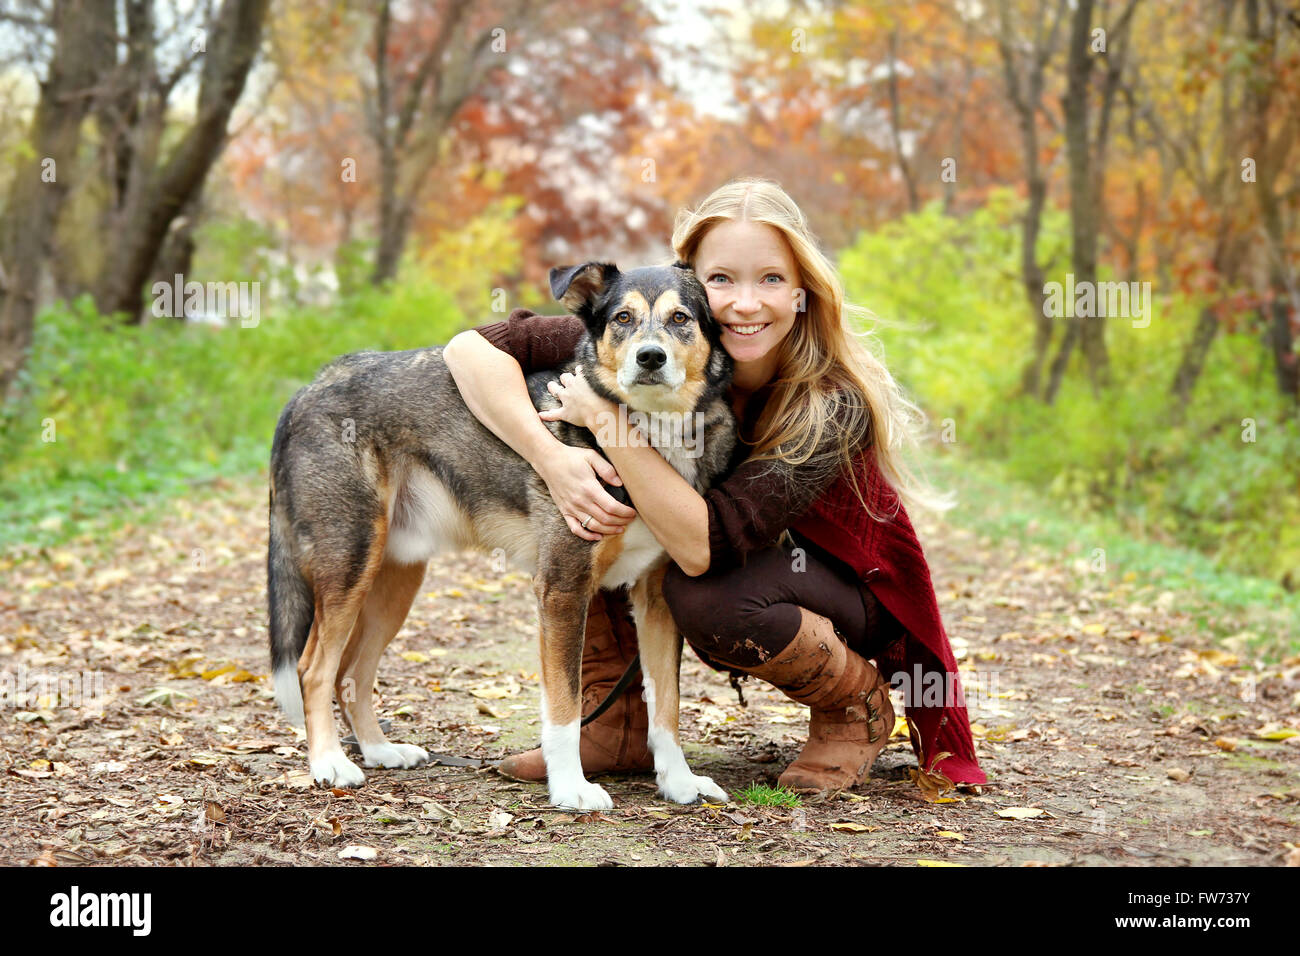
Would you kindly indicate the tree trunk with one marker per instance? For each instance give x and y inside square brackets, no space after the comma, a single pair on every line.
[1089,330]
[232,47]
[1285,364]
[83,34]
[1193,361]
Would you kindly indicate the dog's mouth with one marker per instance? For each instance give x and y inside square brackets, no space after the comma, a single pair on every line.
[648,379]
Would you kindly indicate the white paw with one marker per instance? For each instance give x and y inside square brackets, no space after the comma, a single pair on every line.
[687,787]
[336,770]
[582,796]
[397,756]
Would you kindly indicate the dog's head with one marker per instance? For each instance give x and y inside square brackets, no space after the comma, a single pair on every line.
[655,342]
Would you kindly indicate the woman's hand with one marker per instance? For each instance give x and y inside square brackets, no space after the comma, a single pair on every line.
[579,405]
[571,478]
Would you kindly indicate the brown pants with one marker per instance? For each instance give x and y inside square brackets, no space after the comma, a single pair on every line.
[741,617]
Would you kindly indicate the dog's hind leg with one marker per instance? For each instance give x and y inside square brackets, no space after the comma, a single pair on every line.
[381,617]
[660,643]
[562,608]
[339,599]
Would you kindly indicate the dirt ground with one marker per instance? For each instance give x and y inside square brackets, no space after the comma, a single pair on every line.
[1122,733]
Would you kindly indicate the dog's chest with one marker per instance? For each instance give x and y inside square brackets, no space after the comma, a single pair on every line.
[640,551]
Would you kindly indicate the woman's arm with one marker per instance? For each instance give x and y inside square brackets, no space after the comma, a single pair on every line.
[674,511]
[747,511]
[492,384]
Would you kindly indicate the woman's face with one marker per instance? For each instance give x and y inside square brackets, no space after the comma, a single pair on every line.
[750,274]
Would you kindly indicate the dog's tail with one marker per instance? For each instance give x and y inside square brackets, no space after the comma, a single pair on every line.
[292,605]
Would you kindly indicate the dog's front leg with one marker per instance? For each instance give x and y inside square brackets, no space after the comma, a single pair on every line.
[563,614]
[660,644]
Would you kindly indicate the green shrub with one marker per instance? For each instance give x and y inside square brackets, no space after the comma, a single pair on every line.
[143,409]
[957,331]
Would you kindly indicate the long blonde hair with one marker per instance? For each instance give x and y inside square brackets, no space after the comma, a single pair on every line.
[826,368]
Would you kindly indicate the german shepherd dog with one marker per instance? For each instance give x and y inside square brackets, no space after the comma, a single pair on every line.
[378,465]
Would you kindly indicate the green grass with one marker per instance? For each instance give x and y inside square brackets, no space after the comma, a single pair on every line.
[760,794]
[141,414]
[1261,614]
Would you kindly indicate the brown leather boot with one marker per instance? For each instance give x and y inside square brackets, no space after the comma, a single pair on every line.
[851,715]
[616,740]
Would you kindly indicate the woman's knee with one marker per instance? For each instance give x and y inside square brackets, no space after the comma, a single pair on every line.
[724,616]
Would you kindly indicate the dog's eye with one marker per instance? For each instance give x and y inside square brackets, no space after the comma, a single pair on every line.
[623,318]
[680,317]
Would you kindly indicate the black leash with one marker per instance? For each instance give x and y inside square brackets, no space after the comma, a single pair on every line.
[629,675]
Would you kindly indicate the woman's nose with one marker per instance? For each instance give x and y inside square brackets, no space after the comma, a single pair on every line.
[746,301]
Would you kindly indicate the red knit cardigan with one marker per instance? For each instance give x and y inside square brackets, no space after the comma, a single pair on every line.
[887,557]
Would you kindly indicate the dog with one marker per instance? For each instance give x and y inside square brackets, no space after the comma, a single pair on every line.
[378,465]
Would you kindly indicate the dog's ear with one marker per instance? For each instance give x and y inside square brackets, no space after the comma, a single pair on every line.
[683,264]
[576,287]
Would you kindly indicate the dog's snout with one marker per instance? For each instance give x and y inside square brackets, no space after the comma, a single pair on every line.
[651,357]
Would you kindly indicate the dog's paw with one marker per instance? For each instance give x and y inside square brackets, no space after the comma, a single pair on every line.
[582,796]
[336,770]
[395,756]
[688,787]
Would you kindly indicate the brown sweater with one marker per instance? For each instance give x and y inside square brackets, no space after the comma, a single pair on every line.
[750,508]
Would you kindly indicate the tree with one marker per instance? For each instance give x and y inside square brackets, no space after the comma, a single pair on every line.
[82,36]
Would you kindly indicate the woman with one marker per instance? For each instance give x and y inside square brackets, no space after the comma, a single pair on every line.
[821,425]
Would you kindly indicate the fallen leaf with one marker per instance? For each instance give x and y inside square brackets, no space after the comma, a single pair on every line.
[1020,813]
[1280,733]
[355,852]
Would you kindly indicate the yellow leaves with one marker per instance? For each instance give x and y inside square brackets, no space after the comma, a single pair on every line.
[938,863]
[1020,813]
[491,691]
[1269,732]
[1178,774]
[1009,732]
[951,835]
[1226,743]
[218,672]
[298,780]
[853,828]
[108,577]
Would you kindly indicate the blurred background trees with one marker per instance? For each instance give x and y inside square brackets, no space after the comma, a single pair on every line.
[407,169]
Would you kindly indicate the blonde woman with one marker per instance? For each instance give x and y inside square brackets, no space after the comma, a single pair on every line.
[801,566]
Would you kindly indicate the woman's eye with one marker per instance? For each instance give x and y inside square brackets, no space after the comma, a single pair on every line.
[717,277]
[773,275]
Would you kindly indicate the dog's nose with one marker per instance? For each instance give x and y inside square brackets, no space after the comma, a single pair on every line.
[651,357]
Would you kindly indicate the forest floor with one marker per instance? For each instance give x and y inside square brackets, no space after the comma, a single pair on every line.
[1111,723]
